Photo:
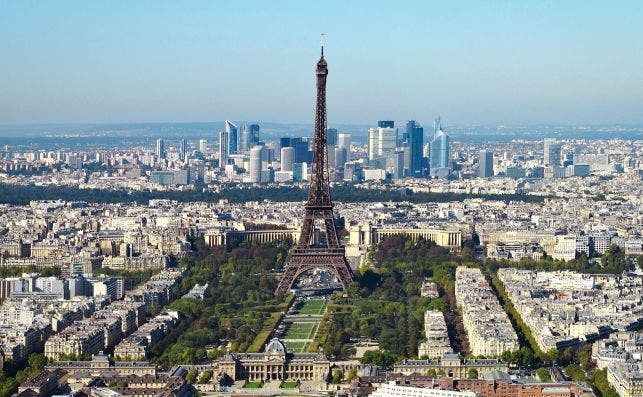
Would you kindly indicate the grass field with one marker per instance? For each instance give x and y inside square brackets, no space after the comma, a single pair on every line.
[289,384]
[253,385]
[313,306]
[295,347]
[299,331]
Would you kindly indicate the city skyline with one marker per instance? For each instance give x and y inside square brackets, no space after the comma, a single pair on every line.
[151,62]
[83,225]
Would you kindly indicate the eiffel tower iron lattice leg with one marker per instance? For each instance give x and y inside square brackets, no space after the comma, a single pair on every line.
[299,263]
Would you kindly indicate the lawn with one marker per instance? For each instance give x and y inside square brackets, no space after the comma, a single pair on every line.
[313,306]
[295,347]
[252,385]
[299,331]
[289,384]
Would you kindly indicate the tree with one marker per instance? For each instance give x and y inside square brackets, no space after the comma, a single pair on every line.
[205,376]
[226,381]
[352,374]
[381,358]
[37,361]
[190,377]
[575,372]
[472,373]
[432,373]
[543,374]
[440,372]
[525,356]
[337,377]
[584,356]
[599,377]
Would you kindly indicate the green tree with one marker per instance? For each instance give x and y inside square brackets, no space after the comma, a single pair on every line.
[599,378]
[380,358]
[226,380]
[543,374]
[352,374]
[205,376]
[337,377]
[583,356]
[37,361]
[190,377]
[575,372]
[472,373]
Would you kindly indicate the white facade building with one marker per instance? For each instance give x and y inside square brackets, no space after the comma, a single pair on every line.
[392,389]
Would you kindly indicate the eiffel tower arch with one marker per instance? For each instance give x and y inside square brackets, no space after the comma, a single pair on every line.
[309,252]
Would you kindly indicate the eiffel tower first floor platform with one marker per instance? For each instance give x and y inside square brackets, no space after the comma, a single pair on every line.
[303,260]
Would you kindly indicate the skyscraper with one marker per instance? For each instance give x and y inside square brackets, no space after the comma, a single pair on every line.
[254,134]
[302,150]
[160,148]
[285,142]
[256,162]
[203,146]
[406,153]
[551,155]
[330,156]
[344,141]
[287,158]
[439,157]
[331,137]
[485,166]
[231,129]
[373,143]
[387,141]
[248,137]
[244,139]
[340,157]
[299,172]
[395,164]
[224,147]
[386,124]
[183,150]
[415,135]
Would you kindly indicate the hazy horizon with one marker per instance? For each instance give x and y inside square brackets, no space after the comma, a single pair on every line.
[111,135]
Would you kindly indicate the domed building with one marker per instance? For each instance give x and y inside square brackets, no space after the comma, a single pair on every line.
[275,363]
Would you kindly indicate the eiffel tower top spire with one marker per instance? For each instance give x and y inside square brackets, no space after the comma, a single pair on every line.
[319,194]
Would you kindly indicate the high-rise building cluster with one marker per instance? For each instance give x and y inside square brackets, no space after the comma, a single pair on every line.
[406,155]
[383,155]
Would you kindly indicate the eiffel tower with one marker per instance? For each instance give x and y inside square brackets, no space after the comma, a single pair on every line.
[311,252]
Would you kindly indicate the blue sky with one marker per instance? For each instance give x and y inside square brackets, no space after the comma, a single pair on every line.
[488,62]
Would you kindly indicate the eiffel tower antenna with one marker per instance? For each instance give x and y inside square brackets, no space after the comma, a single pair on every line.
[309,253]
